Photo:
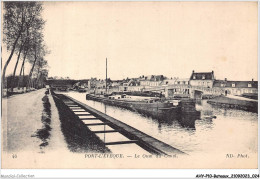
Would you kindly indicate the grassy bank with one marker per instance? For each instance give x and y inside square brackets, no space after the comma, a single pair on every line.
[226,102]
[250,95]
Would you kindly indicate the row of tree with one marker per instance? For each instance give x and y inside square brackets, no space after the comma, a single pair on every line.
[23,27]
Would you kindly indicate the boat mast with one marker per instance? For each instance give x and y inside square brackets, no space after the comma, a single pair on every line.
[106,75]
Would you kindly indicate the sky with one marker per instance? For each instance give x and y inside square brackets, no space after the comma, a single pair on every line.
[146,38]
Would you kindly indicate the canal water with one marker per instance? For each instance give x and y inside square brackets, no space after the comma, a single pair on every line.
[231,131]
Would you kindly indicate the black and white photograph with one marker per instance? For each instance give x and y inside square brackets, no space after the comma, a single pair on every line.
[129,85]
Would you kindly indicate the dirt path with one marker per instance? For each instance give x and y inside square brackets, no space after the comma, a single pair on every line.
[30,123]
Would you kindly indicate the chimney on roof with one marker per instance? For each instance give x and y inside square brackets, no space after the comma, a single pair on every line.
[192,71]
[213,75]
[252,79]
[225,79]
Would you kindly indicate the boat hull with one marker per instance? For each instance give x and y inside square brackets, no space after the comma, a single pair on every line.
[156,109]
[185,112]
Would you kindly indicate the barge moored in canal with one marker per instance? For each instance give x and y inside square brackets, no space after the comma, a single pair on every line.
[155,107]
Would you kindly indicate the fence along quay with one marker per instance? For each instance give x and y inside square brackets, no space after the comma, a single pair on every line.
[89,117]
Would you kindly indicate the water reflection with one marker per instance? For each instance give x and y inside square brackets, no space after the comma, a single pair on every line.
[185,120]
[219,130]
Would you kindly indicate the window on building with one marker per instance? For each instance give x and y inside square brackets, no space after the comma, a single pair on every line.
[249,85]
[233,85]
[203,77]
[194,77]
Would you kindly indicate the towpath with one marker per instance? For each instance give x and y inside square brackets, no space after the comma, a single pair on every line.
[30,123]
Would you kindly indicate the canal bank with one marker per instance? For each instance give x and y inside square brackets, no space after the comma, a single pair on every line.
[86,118]
[78,137]
[235,103]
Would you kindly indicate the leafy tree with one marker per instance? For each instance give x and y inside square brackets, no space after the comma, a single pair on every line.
[18,17]
[39,51]
[42,72]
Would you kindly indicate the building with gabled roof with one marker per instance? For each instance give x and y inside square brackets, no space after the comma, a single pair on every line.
[237,87]
[204,79]
[168,81]
[152,80]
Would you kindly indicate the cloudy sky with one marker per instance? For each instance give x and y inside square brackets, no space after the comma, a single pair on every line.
[144,38]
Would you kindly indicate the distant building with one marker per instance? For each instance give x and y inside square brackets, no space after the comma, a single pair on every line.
[167,82]
[124,85]
[203,79]
[182,81]
[92,83]
[134,85]
[84,83]
[152,81]
[116,83]
[100,84]
[237,87]
[175,81]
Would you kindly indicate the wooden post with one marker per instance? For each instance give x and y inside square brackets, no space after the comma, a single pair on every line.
[106,75]
[166,92]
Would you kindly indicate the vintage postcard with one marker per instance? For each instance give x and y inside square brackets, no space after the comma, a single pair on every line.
[129,85]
